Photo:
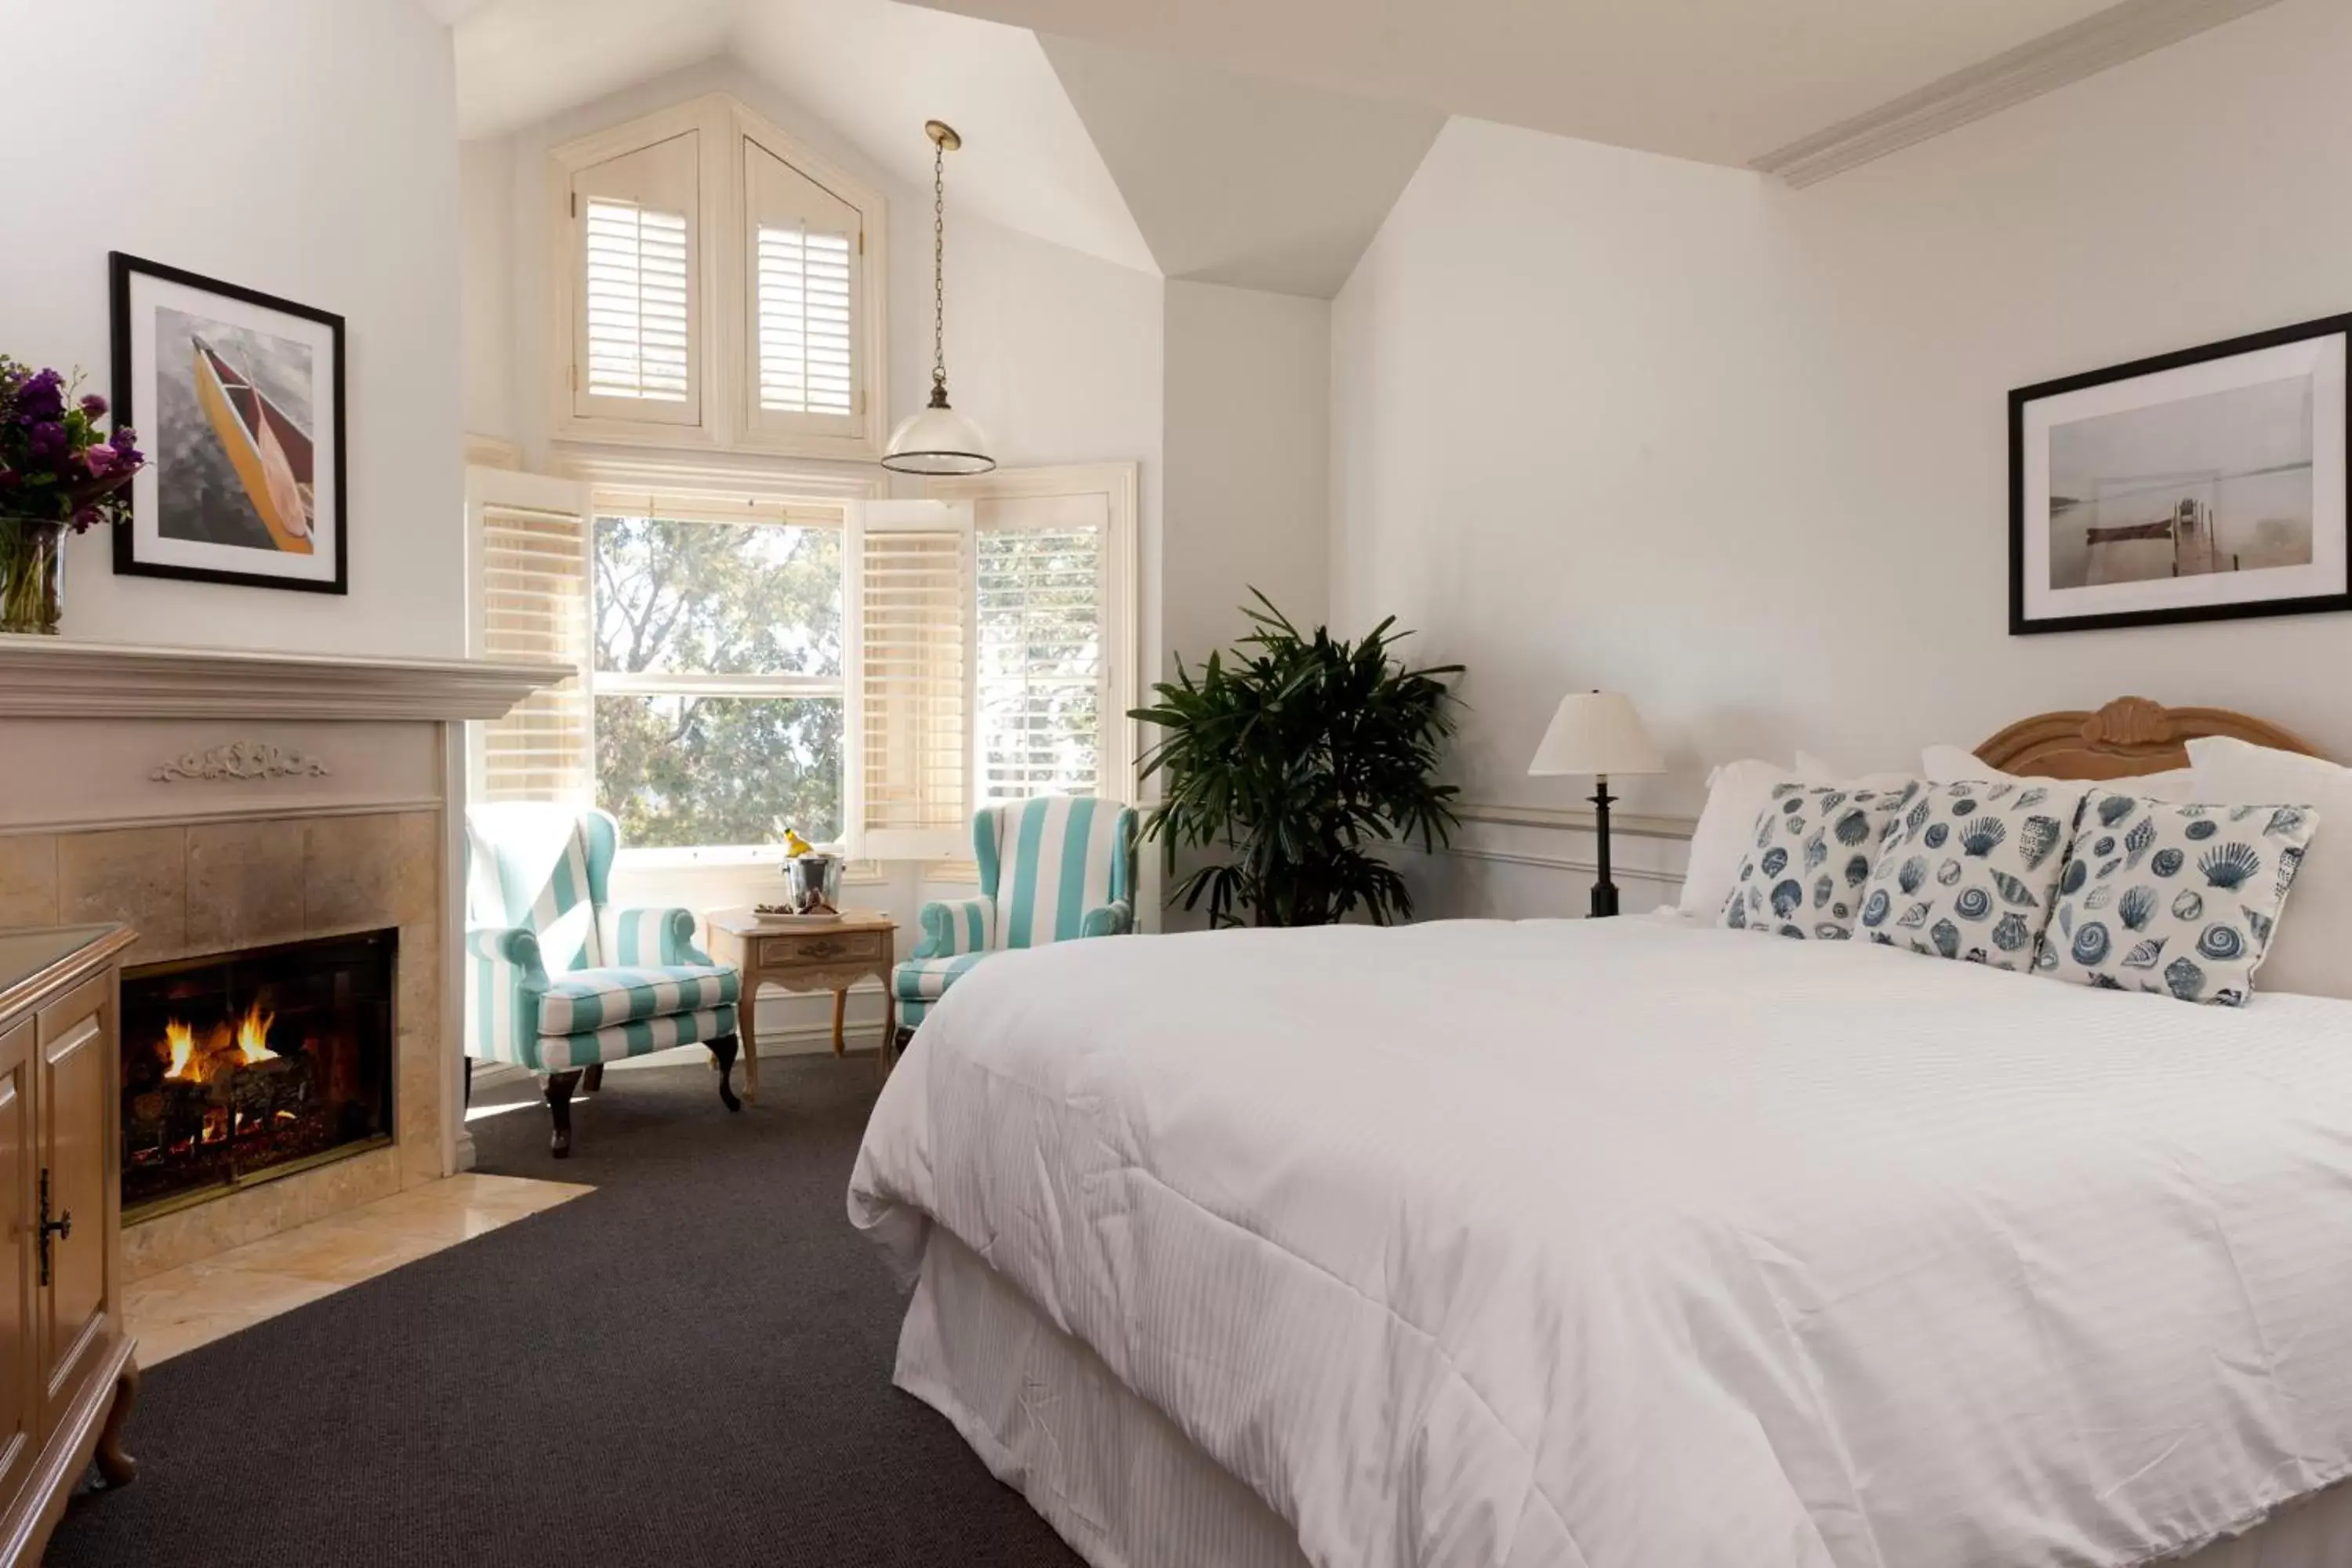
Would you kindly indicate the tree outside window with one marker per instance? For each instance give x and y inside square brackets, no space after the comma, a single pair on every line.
[719,680]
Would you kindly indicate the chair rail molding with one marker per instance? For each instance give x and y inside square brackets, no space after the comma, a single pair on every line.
[1576,819]
[56,677]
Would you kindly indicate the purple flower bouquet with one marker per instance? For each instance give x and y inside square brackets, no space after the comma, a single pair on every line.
[58,472]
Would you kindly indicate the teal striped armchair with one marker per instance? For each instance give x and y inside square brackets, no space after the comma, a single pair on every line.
[558,981]
[1051,870]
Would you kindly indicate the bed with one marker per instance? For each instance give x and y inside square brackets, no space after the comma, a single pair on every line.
[1631,1244]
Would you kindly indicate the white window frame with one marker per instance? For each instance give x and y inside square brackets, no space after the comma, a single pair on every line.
[725,364]
[708,489]
[1119,484]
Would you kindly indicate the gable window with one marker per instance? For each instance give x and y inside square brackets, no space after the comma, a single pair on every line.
[720,286]
[632,221]
[720,691]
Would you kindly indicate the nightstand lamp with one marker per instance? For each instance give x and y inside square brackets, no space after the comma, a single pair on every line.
[1598,732]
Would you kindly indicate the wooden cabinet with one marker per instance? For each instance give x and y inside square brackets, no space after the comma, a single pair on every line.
[67,1376]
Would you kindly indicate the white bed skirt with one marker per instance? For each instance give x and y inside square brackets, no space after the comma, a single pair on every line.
[1126,1489]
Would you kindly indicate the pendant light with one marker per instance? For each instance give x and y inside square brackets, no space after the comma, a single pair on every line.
[938,440]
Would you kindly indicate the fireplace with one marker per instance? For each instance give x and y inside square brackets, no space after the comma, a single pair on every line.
[243,1065]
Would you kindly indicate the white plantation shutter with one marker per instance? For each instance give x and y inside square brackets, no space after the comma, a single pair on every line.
[530,603]
[634,354]
[913,759]
[1040,697]
[805,276]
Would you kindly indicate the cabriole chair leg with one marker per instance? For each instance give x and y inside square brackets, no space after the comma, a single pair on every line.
[559,1105]
[723,1051]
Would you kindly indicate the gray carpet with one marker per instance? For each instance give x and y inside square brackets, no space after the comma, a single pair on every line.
[688,1366]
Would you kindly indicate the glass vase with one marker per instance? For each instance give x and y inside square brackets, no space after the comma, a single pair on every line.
[31,575]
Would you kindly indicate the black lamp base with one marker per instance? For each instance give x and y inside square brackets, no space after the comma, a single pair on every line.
[1604,891]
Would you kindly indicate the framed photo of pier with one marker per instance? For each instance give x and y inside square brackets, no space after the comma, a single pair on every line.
[237,397]
[2199,486]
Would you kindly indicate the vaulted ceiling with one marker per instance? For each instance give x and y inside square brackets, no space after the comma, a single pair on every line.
[1261,143]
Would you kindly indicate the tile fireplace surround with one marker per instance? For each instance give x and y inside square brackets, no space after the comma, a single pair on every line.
[215,800]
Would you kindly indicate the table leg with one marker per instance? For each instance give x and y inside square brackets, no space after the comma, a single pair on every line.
[747,1031]
[840,1007]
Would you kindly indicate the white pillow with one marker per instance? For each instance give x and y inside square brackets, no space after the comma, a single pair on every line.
[1950,764]
[1735,793]
[2313,952]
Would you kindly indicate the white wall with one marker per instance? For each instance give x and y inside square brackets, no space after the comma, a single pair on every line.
[1608,419]
[305,150]
[1247,492]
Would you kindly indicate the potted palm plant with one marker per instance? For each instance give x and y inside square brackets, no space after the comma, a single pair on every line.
[1288,761]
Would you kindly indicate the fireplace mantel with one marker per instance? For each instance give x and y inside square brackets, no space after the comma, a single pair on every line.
[56,677]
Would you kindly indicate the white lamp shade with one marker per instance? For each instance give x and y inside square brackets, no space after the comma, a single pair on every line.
[1596,733]
[937,440]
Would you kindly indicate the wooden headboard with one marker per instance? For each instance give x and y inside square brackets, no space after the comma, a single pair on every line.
[2128,737]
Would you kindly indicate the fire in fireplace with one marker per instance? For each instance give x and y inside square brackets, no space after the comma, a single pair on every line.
[240,1066]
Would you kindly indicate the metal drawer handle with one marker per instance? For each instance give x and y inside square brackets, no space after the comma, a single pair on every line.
[61,1227]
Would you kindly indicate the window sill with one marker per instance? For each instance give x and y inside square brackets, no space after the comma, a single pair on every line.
[733,856]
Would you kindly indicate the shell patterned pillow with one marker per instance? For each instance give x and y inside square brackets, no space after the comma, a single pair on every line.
[1810,858]
[1969,869]
[2181,900]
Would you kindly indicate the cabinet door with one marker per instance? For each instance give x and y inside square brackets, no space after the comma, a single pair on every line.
[77,1109]
[20,1402]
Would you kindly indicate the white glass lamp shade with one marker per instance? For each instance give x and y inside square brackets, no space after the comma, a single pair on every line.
[1596,733]
[937,440]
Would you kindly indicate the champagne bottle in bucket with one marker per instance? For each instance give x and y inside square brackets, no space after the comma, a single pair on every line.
[812,878]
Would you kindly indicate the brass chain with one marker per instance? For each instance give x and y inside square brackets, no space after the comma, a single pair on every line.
[938,265]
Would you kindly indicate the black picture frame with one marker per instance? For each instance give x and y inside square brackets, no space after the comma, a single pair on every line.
[123,270]
[2023,398]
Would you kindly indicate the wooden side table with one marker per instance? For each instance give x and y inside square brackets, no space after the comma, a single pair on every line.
[797,957]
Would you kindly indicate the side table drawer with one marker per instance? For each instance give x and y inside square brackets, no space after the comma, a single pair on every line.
[820,947]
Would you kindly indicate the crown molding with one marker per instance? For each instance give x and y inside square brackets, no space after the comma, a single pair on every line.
[54,677]
[2086,47]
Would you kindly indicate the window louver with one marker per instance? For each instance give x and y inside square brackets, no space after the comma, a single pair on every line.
[805,321]
[534,586]
[1039,684]
[912,683]
[637,271]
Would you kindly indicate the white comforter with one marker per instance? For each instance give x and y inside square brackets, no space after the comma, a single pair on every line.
[1628,1245]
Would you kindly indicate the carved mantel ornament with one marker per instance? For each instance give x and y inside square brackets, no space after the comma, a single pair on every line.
[240,760]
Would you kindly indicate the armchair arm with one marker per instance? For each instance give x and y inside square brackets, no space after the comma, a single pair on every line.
[504,983]
[1114,918]
[650,936]
[957,926]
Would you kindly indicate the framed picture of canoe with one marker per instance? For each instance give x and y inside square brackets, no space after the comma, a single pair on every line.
[238,400]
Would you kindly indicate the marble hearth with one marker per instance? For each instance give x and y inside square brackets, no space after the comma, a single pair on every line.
[219,800]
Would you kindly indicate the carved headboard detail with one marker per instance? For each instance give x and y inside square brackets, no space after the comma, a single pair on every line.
[2128,737]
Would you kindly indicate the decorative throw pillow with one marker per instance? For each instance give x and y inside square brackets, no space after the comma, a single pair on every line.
[1969,869]
[1809,856]
[1949,764]
[2176,899]
[2313,958]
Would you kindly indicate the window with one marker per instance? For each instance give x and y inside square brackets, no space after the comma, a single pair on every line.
[804,245]
[632,221]
[1040,686]
[718,286]
[996,627]
[859,669]
[720,695]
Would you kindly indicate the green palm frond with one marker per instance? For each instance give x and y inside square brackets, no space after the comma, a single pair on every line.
[1298,756]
